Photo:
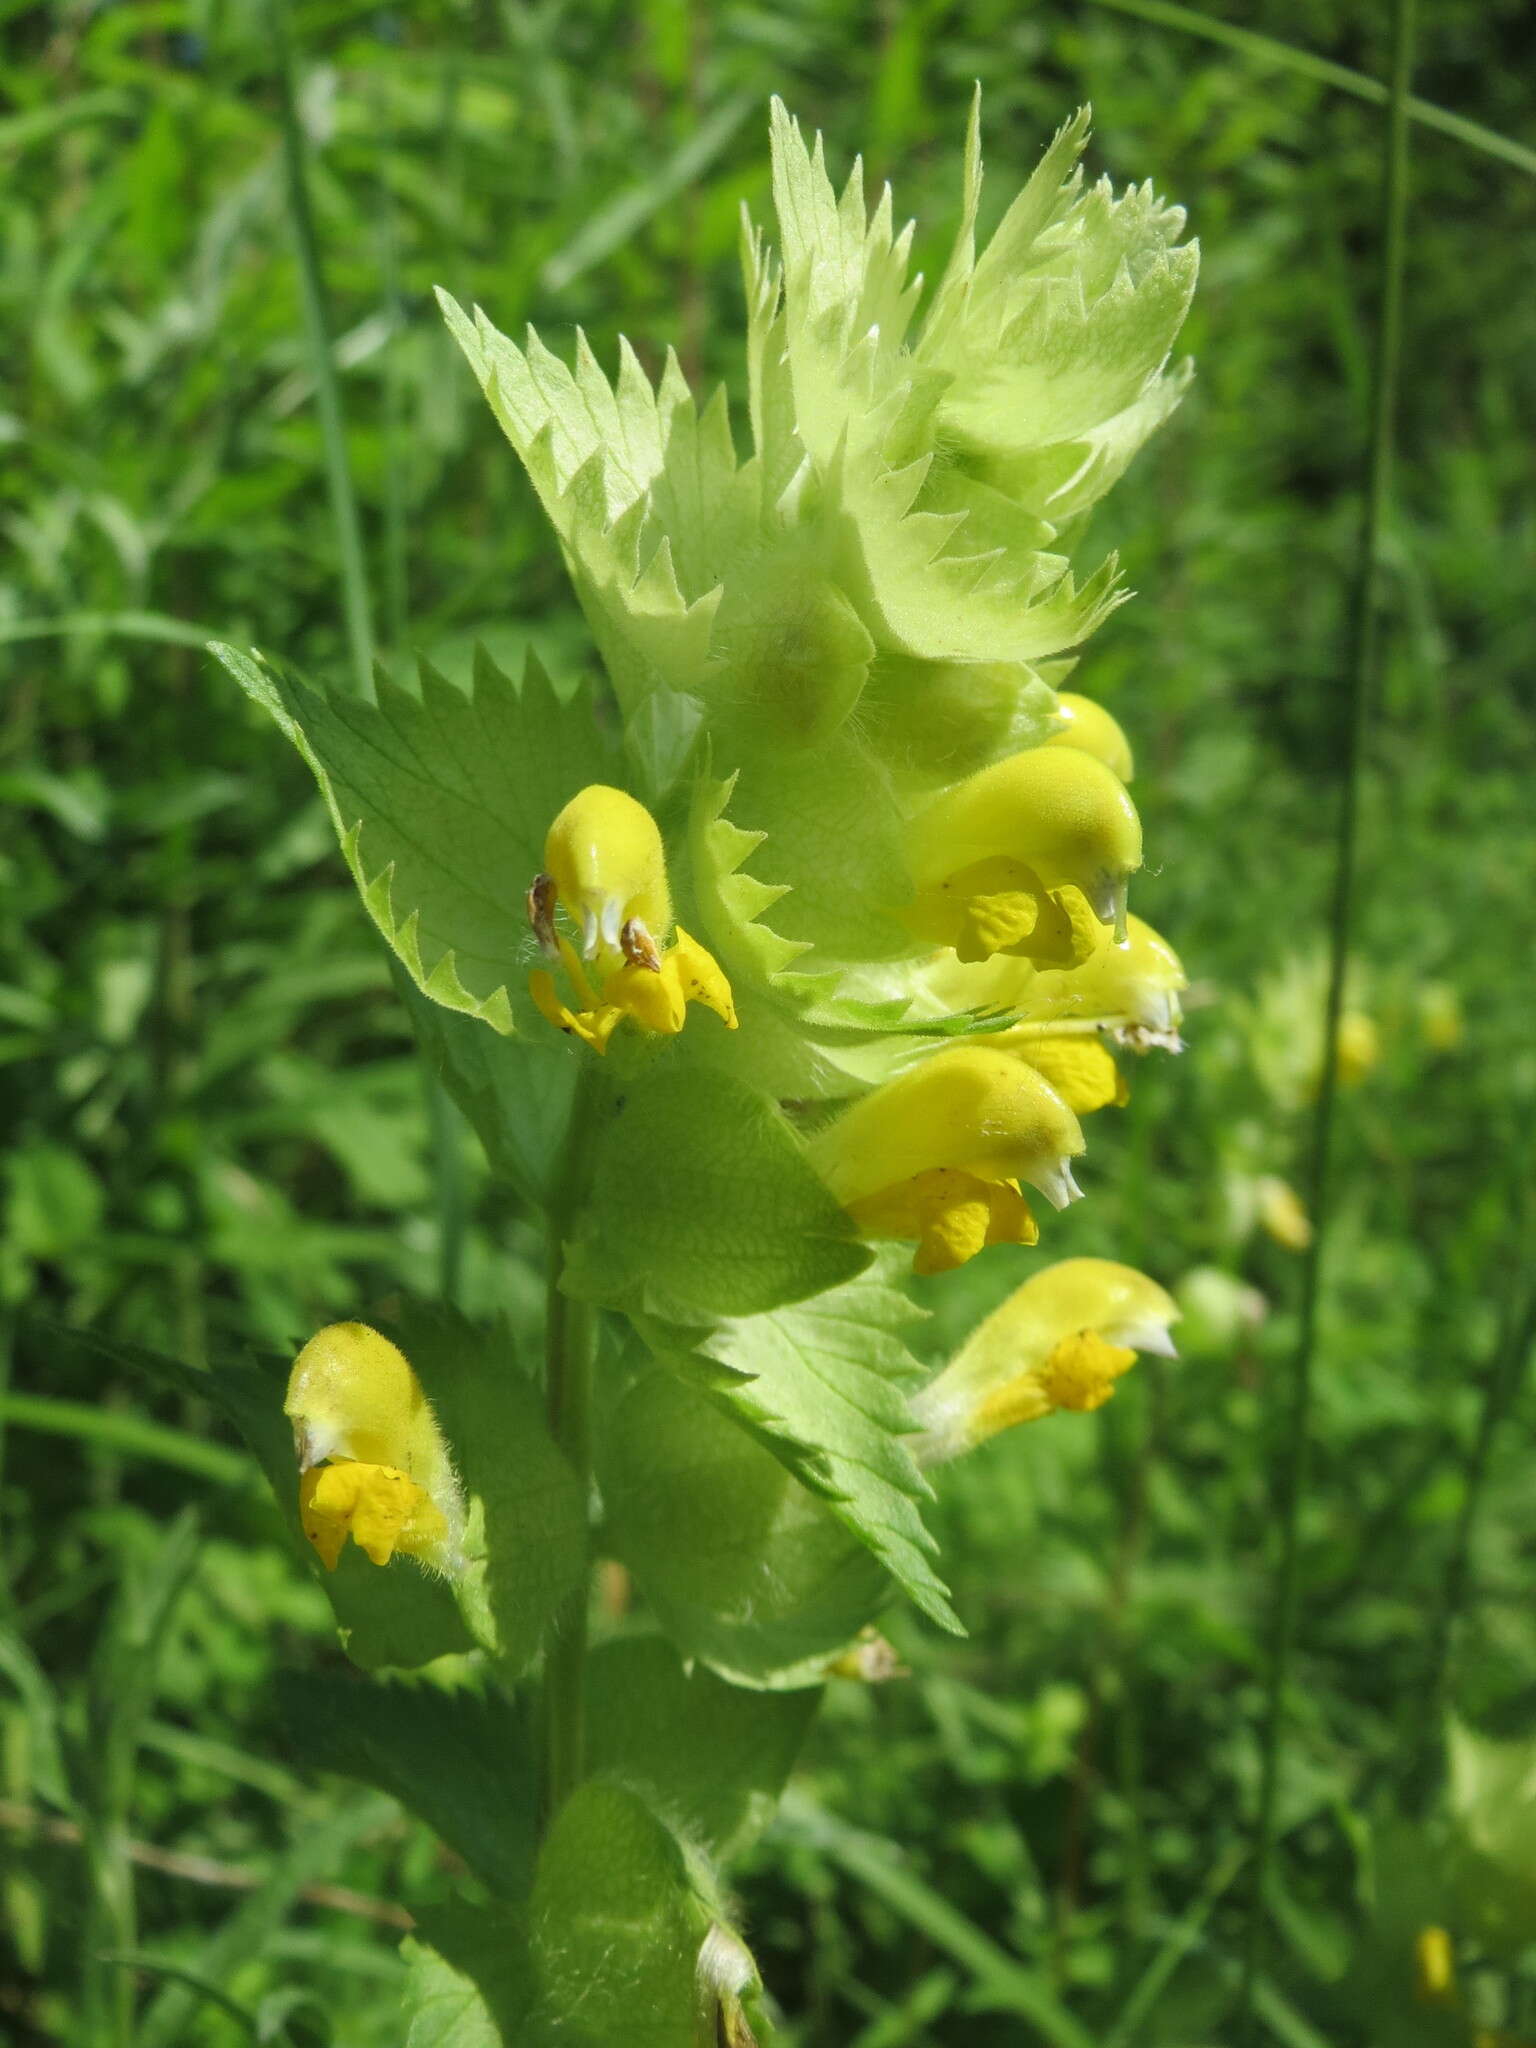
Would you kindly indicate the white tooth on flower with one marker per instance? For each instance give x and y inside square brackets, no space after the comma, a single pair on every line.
[1055,1182]
[611,923]
[1142,1336]
[588,935]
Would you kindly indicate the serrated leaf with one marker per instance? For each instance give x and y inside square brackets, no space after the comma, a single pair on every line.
[515,1092]
[710,1758]
[745,1568]
[441,803]
[703,1203]
[823,1382]
[461,1761]
[395,1616]
[469,1980]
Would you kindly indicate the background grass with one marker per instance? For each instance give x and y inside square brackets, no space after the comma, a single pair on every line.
[217,1133]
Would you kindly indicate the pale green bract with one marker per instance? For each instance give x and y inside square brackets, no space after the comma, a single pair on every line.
[816,621]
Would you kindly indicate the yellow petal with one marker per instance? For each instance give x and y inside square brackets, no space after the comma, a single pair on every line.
[653,996]
[702,980]
[379,1507]
[1077,1066]
[951,1214]
[1080,1372]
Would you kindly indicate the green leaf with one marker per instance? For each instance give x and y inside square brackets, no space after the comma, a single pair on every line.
[515,1093]
[526,1531]
[396,1615]
[441,802]
[617,1926]
[743,1566]
[710,1758]
[477,1976]
[823,1383]
[461,1761]
[703,1203]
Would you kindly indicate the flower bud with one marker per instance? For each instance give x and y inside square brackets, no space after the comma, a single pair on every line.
[1091,729]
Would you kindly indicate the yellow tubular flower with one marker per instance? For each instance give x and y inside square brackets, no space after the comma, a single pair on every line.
[1012,839]
[605,866]
[372,1460]
[938,1153]
[1091,728]
[1134,987]
[1059,1341]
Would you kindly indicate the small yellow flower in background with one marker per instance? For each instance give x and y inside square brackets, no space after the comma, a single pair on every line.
[372,1461]
[1093,730]
[1282,1213]
[1061,1340]
[1000,852]
[938,1153]
[1441,1023]
[1357,1047]
[605,866]
[1434,1967]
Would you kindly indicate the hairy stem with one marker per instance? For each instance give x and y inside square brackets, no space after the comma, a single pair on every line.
[1362,646]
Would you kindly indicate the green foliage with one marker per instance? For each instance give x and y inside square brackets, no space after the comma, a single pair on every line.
[218,1132]
[437,800]
[710,1758]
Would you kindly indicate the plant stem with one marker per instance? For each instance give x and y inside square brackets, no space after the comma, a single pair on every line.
[1361,649]
[568,1346]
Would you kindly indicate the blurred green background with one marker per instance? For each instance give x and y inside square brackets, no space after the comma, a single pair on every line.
[216,1132]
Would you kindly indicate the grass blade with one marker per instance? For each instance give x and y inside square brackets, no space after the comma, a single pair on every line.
[1360,665]
[356,604]
[1271,51]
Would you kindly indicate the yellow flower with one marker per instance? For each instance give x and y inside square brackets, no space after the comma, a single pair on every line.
[1434,1967]
[994,858]
[1091,728]
[1061,1340]
[1282,1213]
[606,868]
[372,1460]
[1357,1047]
[938,1153]
[1440,1020]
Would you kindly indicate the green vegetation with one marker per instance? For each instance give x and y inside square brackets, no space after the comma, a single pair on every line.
[219,1135]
